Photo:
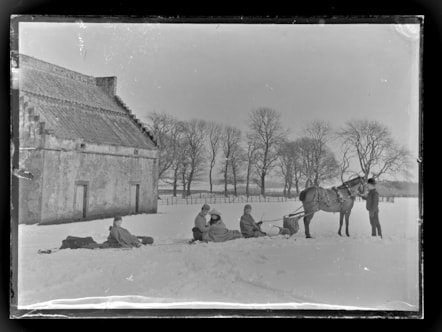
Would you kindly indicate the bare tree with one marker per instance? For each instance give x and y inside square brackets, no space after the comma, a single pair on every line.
[194,135]
[319,133]
[290,166]
[285,162]
[316,167]
[180,164]
[297,164]
[230,141]
[236,161]
[166,130]
[344,166]
[252,146]
[184,170]
[267,132]
[214,135]
[306,147]
[372,144]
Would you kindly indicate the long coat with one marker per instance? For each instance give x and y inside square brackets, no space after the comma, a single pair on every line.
[372,203]
[120,237]
[201,224]
[219,233]
[248,226]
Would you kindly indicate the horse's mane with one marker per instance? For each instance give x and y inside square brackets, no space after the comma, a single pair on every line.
[349,183]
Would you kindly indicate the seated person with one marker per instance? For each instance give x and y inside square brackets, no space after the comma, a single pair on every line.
[120,237]
[201,225]
[218,231]
[248,226]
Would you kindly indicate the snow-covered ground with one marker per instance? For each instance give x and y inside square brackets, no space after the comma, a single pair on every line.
[325,272]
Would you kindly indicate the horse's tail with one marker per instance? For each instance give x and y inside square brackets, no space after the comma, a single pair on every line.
[302,195]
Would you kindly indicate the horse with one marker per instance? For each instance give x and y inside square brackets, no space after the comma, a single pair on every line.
[336,199]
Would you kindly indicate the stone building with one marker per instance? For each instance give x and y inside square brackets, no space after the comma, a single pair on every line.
[87,155]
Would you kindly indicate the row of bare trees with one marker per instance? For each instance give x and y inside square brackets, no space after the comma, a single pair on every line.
[191,150]
[308,159]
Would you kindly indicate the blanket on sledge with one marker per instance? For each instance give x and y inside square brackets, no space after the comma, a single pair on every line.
[219,233]
[75,242]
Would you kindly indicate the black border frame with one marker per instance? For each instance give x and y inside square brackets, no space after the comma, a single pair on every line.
[233,313]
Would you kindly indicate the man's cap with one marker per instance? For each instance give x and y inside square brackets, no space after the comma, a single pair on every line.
[371,181]
[206,207]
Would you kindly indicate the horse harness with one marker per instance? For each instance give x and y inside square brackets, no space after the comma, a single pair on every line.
[339,196]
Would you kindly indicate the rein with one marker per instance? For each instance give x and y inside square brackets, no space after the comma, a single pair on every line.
[290,215]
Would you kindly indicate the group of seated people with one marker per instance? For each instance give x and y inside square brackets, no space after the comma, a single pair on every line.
[215,230]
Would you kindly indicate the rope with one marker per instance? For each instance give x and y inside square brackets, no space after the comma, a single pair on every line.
[273,220]
[291,214]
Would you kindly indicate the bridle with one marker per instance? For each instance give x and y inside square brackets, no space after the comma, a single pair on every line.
[350,192]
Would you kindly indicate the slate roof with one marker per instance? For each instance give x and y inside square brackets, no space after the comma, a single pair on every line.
[73,106]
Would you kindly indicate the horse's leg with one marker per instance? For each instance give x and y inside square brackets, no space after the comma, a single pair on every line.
[347,220]
[307,226]
[341,221]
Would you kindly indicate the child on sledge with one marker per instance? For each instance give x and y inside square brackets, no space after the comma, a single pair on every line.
[248,226]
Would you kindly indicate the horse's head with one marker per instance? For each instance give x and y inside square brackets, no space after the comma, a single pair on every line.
[356,183]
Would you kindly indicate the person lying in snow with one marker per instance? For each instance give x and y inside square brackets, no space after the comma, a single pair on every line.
[120,237]
[218,231]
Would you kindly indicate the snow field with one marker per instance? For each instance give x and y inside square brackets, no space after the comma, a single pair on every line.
[279,272]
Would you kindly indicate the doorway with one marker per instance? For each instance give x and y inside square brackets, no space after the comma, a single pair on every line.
[134,197]
[80,203]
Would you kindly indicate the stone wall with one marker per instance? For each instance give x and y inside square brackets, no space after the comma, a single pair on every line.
[108,179]
[30,159]
[58,165]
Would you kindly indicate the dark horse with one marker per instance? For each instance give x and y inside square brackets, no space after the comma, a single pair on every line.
[337,199]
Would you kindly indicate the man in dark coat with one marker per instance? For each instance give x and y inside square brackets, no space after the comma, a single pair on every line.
[372,203]
[248,226]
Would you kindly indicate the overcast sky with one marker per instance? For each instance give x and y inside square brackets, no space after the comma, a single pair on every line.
[221,72]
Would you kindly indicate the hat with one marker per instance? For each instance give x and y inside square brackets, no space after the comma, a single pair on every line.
[117,218]
[213,211]
[247,206]
[371,181]
[206,207]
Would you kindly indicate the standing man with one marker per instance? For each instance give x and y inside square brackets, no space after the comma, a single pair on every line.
[372,206]
[201,225]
